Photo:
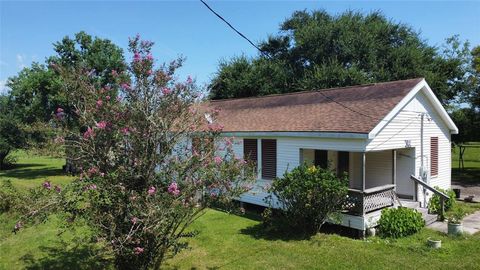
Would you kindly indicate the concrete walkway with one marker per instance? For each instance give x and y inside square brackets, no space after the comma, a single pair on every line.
[471,224]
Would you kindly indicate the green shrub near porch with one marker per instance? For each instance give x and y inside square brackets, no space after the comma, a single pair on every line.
[400,222]
[434,205]
[308,196]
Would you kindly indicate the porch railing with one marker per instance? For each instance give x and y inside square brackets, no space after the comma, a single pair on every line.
[361,202]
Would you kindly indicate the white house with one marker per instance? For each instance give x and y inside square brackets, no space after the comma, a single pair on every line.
[381,134]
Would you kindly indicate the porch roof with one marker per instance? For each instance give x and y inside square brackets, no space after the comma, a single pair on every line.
[355,109]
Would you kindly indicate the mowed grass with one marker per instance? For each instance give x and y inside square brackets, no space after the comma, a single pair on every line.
[31,171]
[224,241]
[470,175]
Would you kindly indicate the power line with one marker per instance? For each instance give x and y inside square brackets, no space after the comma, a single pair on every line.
[234,29]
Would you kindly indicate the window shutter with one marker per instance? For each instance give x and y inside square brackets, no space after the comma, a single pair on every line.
[250,150]
[269,159]
[434,156]
[321,158]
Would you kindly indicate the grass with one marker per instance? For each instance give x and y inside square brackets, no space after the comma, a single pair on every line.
[224,241]
[33,170]
[471,174]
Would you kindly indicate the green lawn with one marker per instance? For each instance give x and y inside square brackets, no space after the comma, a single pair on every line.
[33,170]
[471,174]
[224,242]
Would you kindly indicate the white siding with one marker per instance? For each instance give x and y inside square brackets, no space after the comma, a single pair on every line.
[405,127]
[378,169]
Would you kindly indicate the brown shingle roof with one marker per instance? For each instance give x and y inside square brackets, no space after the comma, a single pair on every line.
[356,109]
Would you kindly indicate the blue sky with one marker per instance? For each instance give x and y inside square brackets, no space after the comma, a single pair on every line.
[28,29]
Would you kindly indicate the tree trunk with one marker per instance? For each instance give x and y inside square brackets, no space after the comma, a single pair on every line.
[3,156]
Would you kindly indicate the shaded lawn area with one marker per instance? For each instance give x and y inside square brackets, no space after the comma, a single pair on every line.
[234,242]
[224,242]
[31,171]
[470,176]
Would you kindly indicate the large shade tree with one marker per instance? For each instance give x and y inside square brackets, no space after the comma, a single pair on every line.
[315,50]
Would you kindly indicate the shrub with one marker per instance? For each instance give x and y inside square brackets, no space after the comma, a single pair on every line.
[400,222]
[8,196]
[456,215]
[309,196]
[434,205]
[141,182]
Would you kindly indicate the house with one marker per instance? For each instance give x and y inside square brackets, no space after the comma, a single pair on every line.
[381,134]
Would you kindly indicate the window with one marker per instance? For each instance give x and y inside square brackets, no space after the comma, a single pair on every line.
[343,162]
[250,152]
[434,156]
[321,158]
[269,159]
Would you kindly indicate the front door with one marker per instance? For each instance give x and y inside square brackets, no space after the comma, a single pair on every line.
[405,168]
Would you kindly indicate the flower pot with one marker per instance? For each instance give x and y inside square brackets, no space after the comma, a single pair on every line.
[434,243]
[455,229]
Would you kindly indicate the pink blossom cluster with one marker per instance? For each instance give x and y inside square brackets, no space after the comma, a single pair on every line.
[138,250]
[47,185]
[102,125]
[151,190]
[91,187]
[218,160]
[173,189]
[89,133]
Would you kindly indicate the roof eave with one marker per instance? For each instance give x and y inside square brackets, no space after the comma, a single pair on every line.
[297,134]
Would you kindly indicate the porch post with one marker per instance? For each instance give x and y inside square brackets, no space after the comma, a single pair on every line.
[363,183]
[394,169]
[363,171]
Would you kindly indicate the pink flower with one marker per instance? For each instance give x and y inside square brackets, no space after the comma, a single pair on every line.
[114,73]
[149,72]
[166,90]
[58,189]
[102,125]
[149,57]
[173,189]
[59,110]
[47,185]
[92,171]
[217,160]
[99,103]
[107,97]
[137,57]
[138,250]
[189,79]
[17,227]
[151,190]
[89,133]
[125,86]
[134,220]
[125,130]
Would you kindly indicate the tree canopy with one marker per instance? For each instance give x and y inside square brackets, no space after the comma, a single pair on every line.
[315,50]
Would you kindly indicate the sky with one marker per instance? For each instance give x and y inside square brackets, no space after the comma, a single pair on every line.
[29,28]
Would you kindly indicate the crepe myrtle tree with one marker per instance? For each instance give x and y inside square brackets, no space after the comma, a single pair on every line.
[142,182]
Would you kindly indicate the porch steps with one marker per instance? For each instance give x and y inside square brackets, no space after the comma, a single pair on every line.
[429,218]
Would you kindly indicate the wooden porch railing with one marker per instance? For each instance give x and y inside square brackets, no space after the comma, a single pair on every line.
[361,202]
[443,196]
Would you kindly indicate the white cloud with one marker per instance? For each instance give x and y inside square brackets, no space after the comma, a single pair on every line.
[21,58]
[3,88]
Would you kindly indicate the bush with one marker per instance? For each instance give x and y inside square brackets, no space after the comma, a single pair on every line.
[434,205]
[309,196]
[400,222]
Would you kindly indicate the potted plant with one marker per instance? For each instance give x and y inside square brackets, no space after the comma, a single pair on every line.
[454,218]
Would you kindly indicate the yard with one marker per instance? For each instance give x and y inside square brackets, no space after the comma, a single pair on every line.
[224,241]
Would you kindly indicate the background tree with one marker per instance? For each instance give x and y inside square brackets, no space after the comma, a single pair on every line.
[36,92]
[12,137]
[316,50]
